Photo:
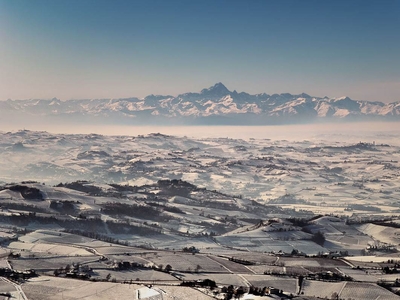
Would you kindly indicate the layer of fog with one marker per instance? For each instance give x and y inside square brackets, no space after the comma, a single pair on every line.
[380,132]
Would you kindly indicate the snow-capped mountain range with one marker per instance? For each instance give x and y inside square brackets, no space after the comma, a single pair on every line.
[214,105]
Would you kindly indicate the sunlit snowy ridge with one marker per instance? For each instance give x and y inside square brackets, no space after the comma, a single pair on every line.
[215,105]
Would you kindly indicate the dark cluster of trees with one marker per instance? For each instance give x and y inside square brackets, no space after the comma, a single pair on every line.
[82,225]
[232,292]
[258,291]
[82,186]
[377,220]
[393,270]
[388,224]
[288,199]
[176,187]
[126,265]
[16,275]
[66,207]
[318,238]
[363,207]
[124,228]
[300,222]
[241,261]
[176,183]
[25,219]
[137,211]
[390,284]
[74,271]
[22,206]
[172,209]
[219,205]
[124,188]
[191,249]
[215,228]
[329,276]
[205,283]
[29,193]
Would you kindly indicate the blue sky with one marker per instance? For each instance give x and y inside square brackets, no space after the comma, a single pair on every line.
[111,49]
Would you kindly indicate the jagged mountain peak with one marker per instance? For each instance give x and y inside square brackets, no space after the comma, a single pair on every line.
[218,89]
[304,95]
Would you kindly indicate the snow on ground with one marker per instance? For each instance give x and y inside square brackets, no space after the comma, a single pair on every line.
[322,289]
[381,233]
[369,258]
[50,248]
[257,168]
[365,291]
[52,288]
[288,285]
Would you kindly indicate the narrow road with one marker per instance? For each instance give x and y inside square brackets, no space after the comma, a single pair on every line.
[248,284]
[17,287]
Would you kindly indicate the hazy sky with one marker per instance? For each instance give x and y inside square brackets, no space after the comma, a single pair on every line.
[112,49]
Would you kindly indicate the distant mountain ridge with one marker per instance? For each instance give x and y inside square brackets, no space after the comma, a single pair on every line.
[215,105]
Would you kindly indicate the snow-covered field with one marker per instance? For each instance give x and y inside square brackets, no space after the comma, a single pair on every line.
[322,173]
[250,207]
